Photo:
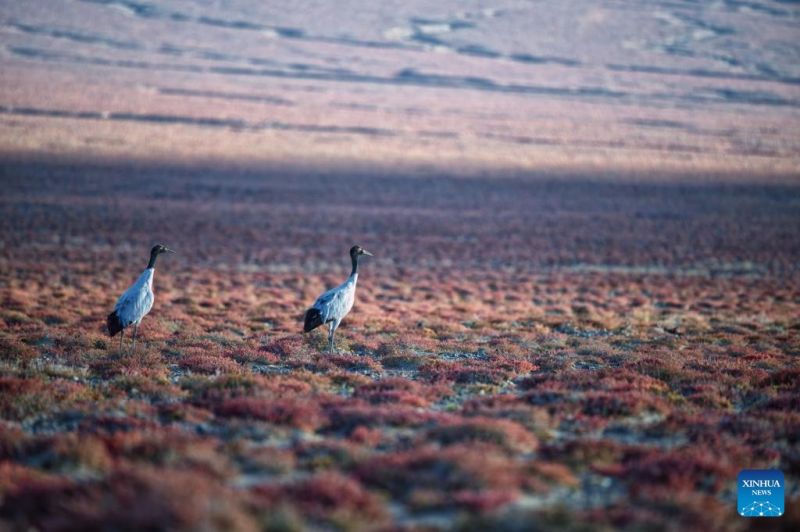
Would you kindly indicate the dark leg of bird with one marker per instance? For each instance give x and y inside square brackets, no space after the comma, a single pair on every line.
[331,345]
[121,335]
[135,329]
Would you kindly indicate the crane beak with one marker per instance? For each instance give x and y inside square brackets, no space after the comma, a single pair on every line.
[367,253]
[169,250]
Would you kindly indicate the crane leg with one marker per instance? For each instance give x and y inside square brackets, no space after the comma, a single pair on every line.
[331,344]
[121,335]
[135,329]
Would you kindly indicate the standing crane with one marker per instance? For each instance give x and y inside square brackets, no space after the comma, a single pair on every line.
[332,306]
[136,301]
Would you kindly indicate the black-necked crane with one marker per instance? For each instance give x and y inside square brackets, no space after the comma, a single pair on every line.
[332,306]
[136,301]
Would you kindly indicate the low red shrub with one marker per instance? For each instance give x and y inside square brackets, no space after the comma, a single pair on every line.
[503,433]
[330,497]
[298,413]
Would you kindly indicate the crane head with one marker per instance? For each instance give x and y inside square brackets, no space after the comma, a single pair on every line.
[357,251]
[158,249]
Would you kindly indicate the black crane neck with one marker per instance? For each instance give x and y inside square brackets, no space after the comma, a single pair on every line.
[354,260]
[153,258]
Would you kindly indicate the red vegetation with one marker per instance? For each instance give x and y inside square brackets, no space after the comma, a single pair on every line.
[574,355]
[506,434]
[289,412]
[141,498]
[327,497]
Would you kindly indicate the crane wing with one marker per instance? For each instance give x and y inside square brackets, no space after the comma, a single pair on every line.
[135,302]
[327,303]
[332,306]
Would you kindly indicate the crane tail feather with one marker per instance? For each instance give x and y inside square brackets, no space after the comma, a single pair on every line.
[313,320]
[114,324]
